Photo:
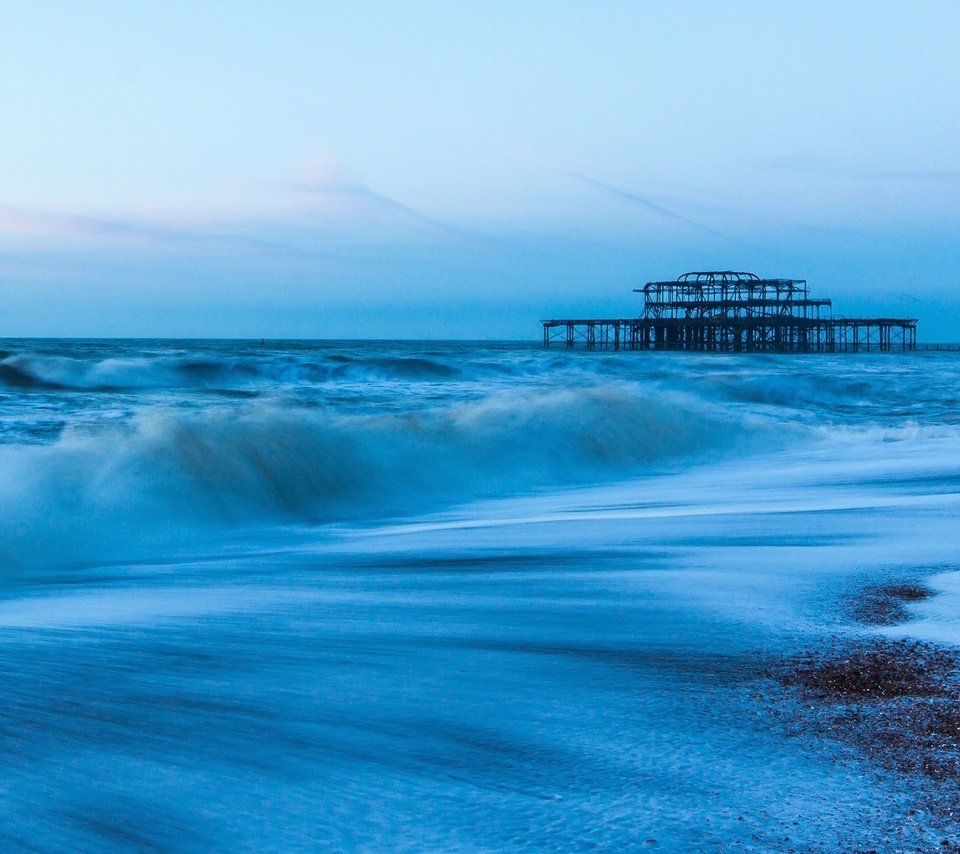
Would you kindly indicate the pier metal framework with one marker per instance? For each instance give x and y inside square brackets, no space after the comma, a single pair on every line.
[728,311]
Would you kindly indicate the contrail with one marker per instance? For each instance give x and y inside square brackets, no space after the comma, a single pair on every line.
[636,198]
[359,190]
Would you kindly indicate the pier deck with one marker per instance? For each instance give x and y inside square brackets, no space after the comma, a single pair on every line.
[745,335]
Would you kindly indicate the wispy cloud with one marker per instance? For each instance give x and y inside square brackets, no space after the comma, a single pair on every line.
[125,230]
[359,193]
[339,185]
[315,212]
[800,165]
[644,201]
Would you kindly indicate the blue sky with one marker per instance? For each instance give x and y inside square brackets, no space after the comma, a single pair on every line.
[431,170]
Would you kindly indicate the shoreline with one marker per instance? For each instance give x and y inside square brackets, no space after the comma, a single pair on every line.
[893,703]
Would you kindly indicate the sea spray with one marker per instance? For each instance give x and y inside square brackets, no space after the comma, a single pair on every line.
[168,471]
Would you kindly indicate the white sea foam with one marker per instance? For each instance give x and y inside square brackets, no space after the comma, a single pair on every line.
[168,470]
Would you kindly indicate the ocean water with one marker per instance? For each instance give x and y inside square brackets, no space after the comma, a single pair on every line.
[449,596]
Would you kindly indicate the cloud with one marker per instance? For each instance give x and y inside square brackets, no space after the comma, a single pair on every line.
[127,231]
[355,191]
[309,222]
[318,218]
[648,203]
[339,185]
[799,165]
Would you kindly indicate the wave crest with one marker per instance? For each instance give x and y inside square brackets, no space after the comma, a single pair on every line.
[171,471]
[46,372]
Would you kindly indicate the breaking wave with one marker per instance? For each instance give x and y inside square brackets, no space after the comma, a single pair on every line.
[109,447]
[169,471]
[42,372]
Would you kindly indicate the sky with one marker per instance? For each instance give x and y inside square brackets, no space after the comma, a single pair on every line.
[447,170]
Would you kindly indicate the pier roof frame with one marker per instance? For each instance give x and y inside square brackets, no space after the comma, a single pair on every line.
[728,293]
[725,279]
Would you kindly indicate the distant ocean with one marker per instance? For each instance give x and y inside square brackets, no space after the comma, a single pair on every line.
[448,596]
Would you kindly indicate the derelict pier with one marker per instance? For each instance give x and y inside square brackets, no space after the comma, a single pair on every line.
[731,312]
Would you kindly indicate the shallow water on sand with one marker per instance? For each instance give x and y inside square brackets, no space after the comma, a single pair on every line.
[444,595]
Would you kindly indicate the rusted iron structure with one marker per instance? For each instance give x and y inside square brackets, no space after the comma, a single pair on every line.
[726,311]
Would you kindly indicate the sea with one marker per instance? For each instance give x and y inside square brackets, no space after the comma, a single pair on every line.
[450,596]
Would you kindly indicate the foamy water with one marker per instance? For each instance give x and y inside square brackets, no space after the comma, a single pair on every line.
[448,596]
